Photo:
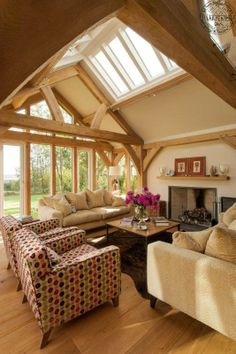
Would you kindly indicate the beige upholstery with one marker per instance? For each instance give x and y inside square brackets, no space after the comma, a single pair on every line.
[199,285]
[85,219]
[80,217]
[110,211]
[195,241]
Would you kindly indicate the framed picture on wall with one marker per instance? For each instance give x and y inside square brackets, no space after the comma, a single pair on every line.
[197,166]
[181,167]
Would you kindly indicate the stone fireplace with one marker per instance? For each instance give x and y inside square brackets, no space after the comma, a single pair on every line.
[193,206]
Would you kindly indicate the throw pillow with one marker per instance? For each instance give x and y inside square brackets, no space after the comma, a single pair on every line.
[108,198]
[195,241]
[53,257]
[63,206]
[232,225]
[48,201]
[78,200]
[118,201]
[229,215]
[222,244]
[96,198]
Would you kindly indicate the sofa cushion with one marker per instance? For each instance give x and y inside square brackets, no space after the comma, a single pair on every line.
[118,201]
[48,201]
[232,225]
[229,215]
[108,197]
[195,241]
[81,217]
[63,206]
[222,244]
[78,200]
[95,198]
[108,211]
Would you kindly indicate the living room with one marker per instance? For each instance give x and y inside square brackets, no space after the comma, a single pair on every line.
[121,103]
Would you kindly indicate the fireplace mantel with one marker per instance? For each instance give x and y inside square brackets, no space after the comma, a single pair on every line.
[205,178]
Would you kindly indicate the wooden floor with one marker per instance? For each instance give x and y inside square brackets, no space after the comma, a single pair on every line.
[132,328]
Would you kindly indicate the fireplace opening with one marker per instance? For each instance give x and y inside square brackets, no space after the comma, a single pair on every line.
[193,206]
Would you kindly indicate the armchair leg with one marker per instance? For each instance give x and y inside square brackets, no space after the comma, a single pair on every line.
[24,300]
[45,339]
[153,301]
[19,286]
[115,301]
[8,266]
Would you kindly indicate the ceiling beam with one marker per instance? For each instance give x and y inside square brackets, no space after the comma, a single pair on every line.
[231,141]
[192,139]
[99,95]
[27,121]
[47,139]
[170,27]
[69,107]
[134,157]
[118,157]
[98,116]
[52,103]
[150,156]
[26,54]
[104,157]
[152,91]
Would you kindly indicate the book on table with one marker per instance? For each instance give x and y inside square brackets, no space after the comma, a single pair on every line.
[160,221]
[127,222]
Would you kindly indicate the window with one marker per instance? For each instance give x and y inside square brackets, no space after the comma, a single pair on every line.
[67,117]
[63,169]
[122,177]
[125,62]
[40,109]
[84,170]
[40,169]
[133,178]
[101,173]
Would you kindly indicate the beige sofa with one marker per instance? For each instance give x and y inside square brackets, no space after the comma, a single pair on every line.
[89,218]
[200,285]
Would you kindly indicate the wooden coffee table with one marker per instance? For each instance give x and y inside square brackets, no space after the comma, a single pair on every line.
[133,248]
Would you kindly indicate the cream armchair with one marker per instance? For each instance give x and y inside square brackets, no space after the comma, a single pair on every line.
[201,286]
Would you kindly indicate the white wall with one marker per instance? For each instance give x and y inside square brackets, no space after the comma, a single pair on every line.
[215,152]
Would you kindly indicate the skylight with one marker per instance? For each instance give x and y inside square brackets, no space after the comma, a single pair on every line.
[125,63]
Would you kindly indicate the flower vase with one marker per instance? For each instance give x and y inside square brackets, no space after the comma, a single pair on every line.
[139,213]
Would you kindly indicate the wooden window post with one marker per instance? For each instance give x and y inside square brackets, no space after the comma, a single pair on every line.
[27,189]
[53,169]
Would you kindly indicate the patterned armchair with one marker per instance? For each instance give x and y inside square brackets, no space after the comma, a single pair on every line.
[45,229]
[60,287]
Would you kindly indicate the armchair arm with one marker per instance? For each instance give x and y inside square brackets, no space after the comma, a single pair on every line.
[194,283]
[66,242]
[46,213]
[40,227]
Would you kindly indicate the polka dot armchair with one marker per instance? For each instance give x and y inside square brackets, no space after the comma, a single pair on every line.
[45,229]
[61,286]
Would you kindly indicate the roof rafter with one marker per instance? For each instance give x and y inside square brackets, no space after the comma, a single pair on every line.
[52,103]
[27,121]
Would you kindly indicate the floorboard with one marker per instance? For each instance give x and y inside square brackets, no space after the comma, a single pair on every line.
[131,328]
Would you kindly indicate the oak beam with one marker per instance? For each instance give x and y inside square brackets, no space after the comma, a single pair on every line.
[99,95]
[150,156]
[231,141]
[26,121]
[170,27]
[152,91]
[104,157]
[68,19]
[53,169]
[47,139]
[131,152]
[75,170]
[192,139]
[3,130]
[98,116]
[78,118]
[52,103]
[118,157]
[27,178]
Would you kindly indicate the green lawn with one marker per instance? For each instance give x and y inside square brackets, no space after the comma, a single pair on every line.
[12,204]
